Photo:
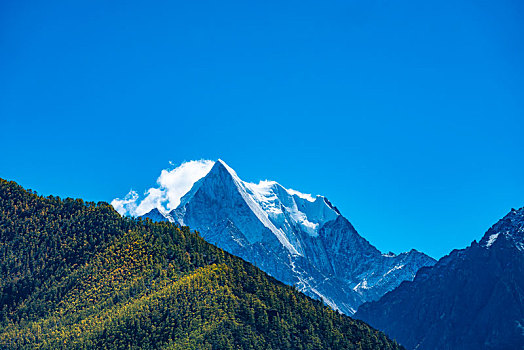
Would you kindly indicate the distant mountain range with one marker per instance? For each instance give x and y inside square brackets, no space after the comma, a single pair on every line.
[79,275]
[298,239]
[472,298]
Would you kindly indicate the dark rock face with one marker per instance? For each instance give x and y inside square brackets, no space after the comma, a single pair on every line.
[471,299]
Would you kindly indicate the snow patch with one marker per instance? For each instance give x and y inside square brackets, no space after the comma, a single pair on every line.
[492,239]
[398,267]
[301,195]
[361,285]
[280,205]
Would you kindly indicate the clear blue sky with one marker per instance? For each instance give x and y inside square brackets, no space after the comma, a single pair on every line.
[409,116]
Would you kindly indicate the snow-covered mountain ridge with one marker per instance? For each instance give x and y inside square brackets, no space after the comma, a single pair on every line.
[299,239]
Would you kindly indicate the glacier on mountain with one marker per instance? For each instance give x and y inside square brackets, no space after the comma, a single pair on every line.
[299,239]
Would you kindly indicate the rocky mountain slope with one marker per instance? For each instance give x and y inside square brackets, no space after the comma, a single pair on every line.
[472,298]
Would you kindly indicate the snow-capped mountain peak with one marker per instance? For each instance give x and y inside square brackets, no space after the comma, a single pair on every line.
[284,212]
[297,238]
[281,206]
[252,200]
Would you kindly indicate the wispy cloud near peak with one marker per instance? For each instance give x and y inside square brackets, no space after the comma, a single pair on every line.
[172,185]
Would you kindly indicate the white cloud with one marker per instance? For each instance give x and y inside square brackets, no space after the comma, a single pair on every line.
[154,199]
[307,196]
[172,186]
[126,205]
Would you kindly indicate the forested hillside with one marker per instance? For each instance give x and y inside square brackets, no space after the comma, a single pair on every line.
[78,275]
